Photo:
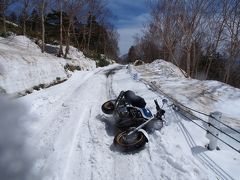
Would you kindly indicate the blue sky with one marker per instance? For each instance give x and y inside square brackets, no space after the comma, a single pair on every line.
[131,15]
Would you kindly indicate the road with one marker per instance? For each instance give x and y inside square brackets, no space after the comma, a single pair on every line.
[73,138]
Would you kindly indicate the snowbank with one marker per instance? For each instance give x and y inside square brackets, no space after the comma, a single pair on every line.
[206,96]
[23,66]
[75,57]
[164,69]
[17,157]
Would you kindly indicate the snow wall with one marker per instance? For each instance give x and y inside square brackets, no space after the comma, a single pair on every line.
[23,66]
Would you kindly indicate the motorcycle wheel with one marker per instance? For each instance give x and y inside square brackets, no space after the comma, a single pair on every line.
[108,107]
[126,144]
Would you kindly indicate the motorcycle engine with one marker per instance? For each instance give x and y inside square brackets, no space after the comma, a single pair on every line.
[122,112]
[136,113]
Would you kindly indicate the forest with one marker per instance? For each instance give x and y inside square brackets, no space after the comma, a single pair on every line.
[84,24]
[201,37]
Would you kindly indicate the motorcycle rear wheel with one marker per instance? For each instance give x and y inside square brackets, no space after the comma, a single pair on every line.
[125,145]
[108,107]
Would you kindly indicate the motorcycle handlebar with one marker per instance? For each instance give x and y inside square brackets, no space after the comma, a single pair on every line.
[160,112]
[157,105]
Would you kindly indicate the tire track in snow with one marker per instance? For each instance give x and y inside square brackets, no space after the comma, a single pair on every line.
[131,166]
[58,116]
[73,144]
[60,122]
[122,163]
[86,159]
[58,103]
[163,163]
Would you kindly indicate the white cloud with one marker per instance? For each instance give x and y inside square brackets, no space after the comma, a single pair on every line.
[126,38]
[133,26]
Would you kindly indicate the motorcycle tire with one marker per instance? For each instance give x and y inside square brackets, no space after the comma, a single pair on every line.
[108,107]
[135,144]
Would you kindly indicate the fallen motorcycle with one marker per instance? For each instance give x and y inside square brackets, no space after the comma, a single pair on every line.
[133,119]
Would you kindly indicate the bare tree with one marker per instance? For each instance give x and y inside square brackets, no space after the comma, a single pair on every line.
[197,30]
[26,6]
[72,8]
[233,34]
[165,14]
[4,4]
[42,10]
[215,27]
[190,17]
[41,6]
[92,5]
[96,8]
[60,8]
[111,46]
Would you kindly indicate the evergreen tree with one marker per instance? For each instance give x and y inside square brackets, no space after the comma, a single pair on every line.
[13,17]
[132,55]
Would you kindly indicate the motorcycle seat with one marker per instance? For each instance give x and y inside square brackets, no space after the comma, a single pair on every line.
[134,100]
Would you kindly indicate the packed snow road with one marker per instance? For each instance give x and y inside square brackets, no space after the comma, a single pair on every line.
[73,139]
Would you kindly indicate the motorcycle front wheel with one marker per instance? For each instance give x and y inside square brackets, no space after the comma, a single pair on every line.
[108,107]
[127,143]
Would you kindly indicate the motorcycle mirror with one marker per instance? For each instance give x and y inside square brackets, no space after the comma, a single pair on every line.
[164,101]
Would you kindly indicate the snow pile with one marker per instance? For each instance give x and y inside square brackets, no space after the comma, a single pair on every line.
[164,69]
[111,61]
[23,66]
[206,96]
[77,58]
[16,157]
[74,57]
[18,43]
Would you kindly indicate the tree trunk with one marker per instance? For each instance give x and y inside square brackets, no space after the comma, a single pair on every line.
[4,17]
[24,27]
[60,53]
[25,9]
[227,74]
[84,38]
[75,36]
[189,63]
[228,70]
[208,67]
[67,41]
[43,26]
[194,60]
[89,33]
[4,24]
[171,56]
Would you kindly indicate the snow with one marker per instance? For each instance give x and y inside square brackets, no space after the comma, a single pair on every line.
[75,57]
[76,141]
[72,139]
[13,24]
[23,66]
[205,96]
[165,69]
[16,157]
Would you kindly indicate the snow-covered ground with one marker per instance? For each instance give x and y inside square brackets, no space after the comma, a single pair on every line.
[23,66]
[75,57]
[205,96]
[66,136]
